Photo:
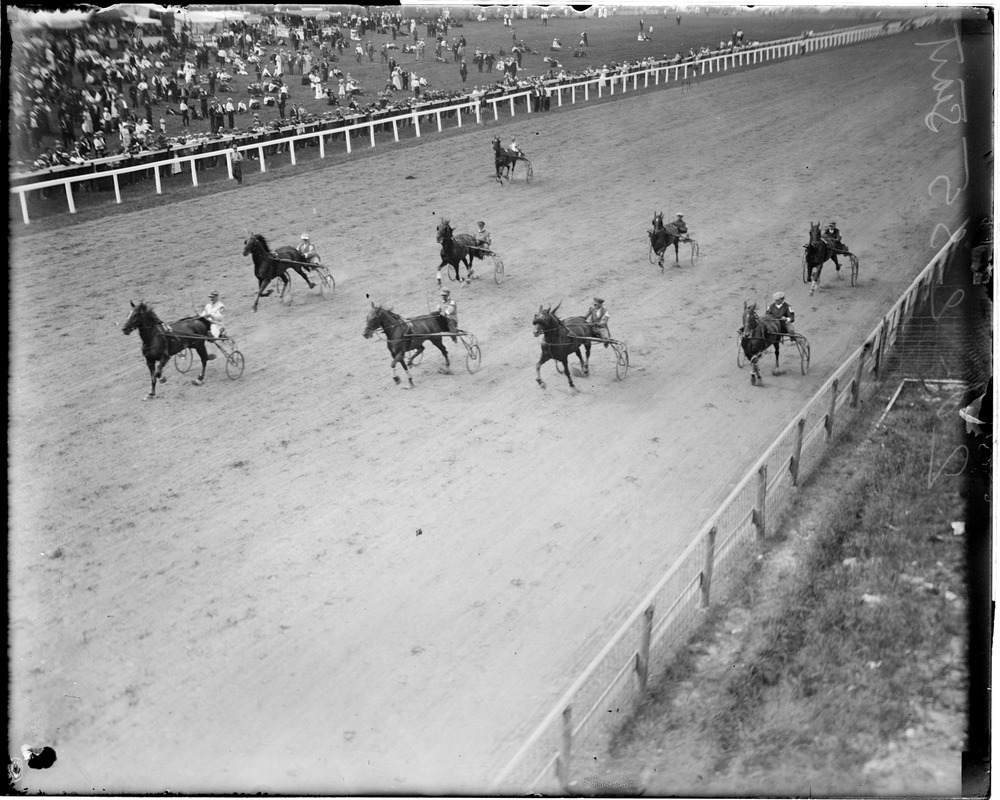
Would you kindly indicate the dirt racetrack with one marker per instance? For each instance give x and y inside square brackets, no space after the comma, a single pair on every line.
[224,589]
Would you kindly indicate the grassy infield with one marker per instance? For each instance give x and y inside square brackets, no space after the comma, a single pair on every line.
[801,678]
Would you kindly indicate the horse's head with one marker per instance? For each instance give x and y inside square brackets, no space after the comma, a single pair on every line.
[496,144]
[374,321]
[658,221]
[815,235]
[142,316]
[545,320]
[750,320]
[444,231]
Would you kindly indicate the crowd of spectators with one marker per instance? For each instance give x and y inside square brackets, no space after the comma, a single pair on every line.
[108,89]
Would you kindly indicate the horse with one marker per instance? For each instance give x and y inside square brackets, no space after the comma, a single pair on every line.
[403,335]
[504,159]
[457,249]
[160,341]
[663,236]
[268,265]
[562,338]
[818,252]
[758,334]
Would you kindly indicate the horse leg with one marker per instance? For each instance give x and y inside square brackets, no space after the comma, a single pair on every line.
[440,346]
[416,352]
[777,358]
[569,376]
[584,362]
[677,253]
[837,265]
[756,378]
[151,364]
[202,352]
[305,276]
[538,369]
[260,292]
[469,274]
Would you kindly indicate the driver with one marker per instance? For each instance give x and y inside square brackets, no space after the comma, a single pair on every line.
[681,227]
[308,250]
[832,236]
[515,147]
[781,311]
[212,314]
[483,237]
[448,309]
[598,316]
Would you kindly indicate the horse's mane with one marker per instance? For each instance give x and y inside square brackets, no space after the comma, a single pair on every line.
[260,238]
[146,310]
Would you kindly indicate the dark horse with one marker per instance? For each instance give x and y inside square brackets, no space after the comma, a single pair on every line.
[457,249]
[268,265]
[561,339]
[662,237]
[504,159]
[818,252]
[758,334]
[160,341]
[403,335]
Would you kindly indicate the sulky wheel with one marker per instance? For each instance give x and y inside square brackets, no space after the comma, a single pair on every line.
[695,252]
[498,274]
[327,285]
[854,269]
[529,173]
[741,357]
[473,357]
[621,360]
[804,352]
[183,360]
[234,365]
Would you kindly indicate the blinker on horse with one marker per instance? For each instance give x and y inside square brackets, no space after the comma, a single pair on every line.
[403,335]
[561,338]
[268,265]
[160,343]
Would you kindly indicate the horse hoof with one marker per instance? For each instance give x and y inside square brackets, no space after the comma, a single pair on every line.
[395,378]
[753,380]
[150,396]
[197,382]
[163,379]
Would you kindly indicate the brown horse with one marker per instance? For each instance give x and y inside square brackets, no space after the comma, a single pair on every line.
[457,249]
[757,335]
[661,237]
[403,335]
[562,338]
[268,265]
[161,341]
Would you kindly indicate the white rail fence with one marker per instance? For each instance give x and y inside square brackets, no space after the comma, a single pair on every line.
[651,635]
[353,133]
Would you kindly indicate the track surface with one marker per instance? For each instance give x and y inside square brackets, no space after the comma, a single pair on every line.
[224,590]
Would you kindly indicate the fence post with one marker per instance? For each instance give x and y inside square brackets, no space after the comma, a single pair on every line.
[881,347]
[858,374]
[759,517]
[833,407]
[565,749]
[796,461]
[706,573]
[642,664]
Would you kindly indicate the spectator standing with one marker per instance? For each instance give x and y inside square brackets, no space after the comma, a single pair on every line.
[185,116]
[463,71]
[231,111]
[237,160]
